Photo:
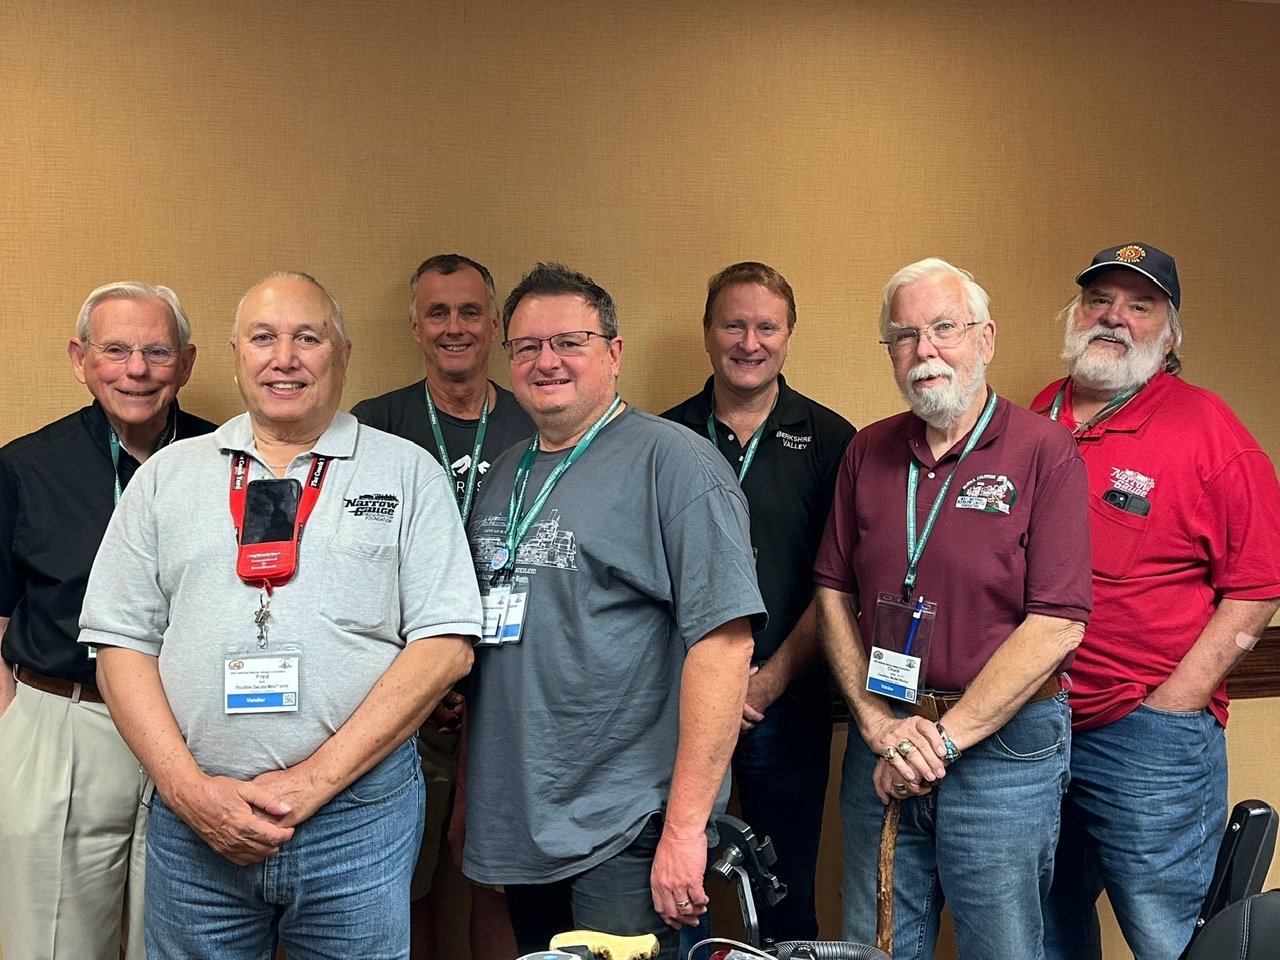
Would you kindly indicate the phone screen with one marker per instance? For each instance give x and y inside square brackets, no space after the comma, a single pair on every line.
[270,511]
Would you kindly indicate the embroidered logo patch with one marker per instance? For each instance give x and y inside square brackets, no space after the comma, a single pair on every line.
[1130,254]
[1131,481]
[793,442]
[373,506]
[989,493]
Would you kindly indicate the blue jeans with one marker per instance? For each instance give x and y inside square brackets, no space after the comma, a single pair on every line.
[780,769]
[338,889]
[982,840]
[611,897]
[1143,818]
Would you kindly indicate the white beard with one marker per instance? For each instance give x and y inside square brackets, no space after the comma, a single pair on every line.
[941,407]
[1113,375]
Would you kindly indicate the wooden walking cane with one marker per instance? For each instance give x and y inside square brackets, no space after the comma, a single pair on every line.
[884,886]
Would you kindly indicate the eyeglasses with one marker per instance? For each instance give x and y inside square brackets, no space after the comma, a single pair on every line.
[941,333]
[572,344]
[153,354]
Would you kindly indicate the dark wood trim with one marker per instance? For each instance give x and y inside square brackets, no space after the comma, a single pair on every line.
[1258,674]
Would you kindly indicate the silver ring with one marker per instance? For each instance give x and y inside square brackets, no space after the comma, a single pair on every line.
[899,788]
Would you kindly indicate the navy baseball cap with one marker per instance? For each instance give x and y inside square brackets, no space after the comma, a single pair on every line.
[1156,265]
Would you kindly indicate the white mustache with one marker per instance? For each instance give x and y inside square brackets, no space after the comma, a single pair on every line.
[1119,334]
[930,368]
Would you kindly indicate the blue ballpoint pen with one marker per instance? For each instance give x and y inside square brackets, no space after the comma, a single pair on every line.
[915,625]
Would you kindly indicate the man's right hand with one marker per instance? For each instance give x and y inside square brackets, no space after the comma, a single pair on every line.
[228,816]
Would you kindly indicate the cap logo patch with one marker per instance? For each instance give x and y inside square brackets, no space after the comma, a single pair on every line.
[1130,254]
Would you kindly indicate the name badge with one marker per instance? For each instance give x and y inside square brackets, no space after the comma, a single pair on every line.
[900,647]
[494,605]
[261,683]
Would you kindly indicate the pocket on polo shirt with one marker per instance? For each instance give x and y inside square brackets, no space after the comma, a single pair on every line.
[1117,538]
[361,585]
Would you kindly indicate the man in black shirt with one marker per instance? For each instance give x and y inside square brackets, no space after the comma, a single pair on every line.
[71,825]
[786,450]
[464,420]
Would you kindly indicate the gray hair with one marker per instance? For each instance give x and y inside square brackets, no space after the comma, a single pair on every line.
[975,297]
[1172,362]
[140,292]
[446,264]
[335,311]
[557,280]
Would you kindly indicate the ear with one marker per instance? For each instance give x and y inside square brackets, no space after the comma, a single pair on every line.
[615,355]
[75,350]
[988,346]
[186,363]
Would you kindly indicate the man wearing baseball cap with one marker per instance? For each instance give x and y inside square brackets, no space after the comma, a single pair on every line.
[1185,515]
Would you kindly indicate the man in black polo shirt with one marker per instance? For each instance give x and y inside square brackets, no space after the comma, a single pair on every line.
[71,825]
[464,420]
[786,450]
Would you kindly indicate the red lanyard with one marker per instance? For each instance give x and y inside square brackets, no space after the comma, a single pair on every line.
[310,494]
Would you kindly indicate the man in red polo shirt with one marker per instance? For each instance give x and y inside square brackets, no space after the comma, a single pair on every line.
[1185,513]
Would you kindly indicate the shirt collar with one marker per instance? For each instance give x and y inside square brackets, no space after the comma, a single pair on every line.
[789,409]
[1135,413]
[914,433]
[338,440]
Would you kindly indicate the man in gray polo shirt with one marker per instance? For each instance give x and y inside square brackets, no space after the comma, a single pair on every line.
[274,700]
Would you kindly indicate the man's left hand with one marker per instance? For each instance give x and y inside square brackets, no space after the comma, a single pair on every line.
[679,865]
[1173,700]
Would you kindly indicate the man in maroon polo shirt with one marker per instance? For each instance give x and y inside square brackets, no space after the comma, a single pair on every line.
[953,580]
[1185,512]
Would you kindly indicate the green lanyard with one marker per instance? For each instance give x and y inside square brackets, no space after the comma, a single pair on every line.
[169,434]
[469,490]
[750,453]
[915,548]
[1114,404]
[505,557]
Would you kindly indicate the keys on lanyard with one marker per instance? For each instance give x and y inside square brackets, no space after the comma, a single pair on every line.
[262,616]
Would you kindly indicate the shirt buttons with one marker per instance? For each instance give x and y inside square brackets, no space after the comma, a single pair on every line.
[931,474]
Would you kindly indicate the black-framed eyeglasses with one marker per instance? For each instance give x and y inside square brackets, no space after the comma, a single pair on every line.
[941,333]
[154,354]
[574,343]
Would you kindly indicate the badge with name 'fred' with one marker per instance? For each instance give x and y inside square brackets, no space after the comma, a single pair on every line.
[261,683]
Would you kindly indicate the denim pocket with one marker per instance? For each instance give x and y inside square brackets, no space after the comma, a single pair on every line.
[393,776]
[1188,714]
[1036,731]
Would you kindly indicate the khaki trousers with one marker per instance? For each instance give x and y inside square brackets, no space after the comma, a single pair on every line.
[72,830]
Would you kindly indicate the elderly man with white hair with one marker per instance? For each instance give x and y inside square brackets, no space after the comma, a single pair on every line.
[953,586]
[72,827]
[1185,511]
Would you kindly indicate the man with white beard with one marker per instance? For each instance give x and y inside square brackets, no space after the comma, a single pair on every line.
[953,586]
[1185,514]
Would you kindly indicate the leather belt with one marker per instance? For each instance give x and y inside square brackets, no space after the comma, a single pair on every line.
[934,706]
[60,688]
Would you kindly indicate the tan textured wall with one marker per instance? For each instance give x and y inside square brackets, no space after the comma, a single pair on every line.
[202,145]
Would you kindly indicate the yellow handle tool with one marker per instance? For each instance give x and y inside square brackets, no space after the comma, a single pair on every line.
[606,946]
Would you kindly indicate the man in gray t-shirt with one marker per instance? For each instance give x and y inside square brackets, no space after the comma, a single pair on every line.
[620,595]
